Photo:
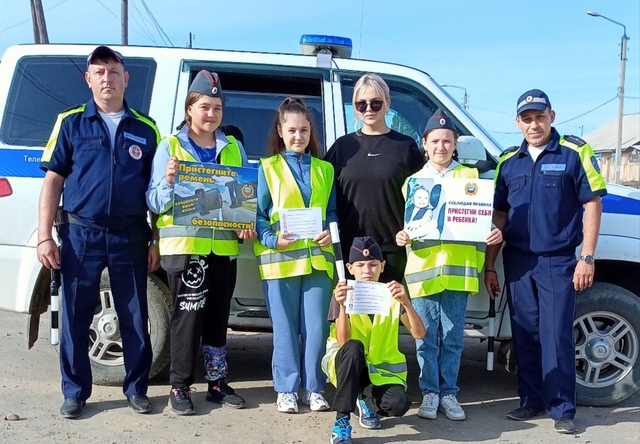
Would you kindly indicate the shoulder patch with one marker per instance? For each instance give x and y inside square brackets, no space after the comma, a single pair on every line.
[575,140]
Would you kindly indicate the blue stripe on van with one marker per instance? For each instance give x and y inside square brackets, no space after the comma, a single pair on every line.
[20,163]
[620,205]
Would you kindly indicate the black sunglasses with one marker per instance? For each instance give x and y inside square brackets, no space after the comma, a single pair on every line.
[361,105]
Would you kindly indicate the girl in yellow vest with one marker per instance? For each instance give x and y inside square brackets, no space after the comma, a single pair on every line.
[200,262]
[362,360]
[297,272]
[440,276]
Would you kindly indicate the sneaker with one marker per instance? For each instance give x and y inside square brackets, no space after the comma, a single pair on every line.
[220,393]
[565,425]
[287,402]
[180,401]
[429,407]
[341,432]
[450,406]
[315,401]
[367,418]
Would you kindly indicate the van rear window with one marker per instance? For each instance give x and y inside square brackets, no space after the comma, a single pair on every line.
[44,86]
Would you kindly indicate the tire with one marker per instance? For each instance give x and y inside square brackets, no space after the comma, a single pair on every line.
[606,333]
[105,343]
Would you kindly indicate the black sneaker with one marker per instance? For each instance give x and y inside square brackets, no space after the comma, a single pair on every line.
[220,392]
[180,401]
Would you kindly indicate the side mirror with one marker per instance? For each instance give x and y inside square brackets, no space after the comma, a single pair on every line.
[471,151]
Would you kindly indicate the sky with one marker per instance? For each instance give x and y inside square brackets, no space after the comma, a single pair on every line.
[495,49]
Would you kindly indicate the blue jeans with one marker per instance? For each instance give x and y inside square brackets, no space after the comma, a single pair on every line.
[439,352]
[298,307]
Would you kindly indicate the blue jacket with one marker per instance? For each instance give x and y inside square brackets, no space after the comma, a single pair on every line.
[105,187]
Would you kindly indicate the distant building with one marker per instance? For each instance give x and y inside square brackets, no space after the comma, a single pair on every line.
[604,140]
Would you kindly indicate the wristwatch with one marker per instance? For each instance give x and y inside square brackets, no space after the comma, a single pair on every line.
[154,242]
[588,259]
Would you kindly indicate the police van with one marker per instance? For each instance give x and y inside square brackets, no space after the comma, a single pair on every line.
[39,81]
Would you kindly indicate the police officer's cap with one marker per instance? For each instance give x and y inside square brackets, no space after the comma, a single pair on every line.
[104,53]
[364,249]
[439,120]
[533,99]
[207,83]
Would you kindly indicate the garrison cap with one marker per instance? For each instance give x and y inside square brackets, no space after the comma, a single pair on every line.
[364,249]
[104,53]
[533,99]
[207,83]
[439,120]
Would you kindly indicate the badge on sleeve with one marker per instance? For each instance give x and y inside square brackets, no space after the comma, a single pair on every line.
[135,151]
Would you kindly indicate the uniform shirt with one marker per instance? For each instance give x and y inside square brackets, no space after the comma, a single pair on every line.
[544,198]
[370,171]
[300,165]
[105,186]
[160,192]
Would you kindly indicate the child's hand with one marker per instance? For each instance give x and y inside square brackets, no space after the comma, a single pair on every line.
[323,239]
[495,237]
[398,292]
[171,170]
[247,234]
[402,239]
[285,240]
[340,292]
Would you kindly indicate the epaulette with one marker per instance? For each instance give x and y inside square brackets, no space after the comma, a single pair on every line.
[575,140]
[510,150]
[72,108]
[141,114]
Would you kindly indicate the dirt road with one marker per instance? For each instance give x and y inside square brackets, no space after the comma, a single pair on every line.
[30,388]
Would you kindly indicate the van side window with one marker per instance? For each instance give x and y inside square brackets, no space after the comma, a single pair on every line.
[251,100]
[411,107]
[42,87]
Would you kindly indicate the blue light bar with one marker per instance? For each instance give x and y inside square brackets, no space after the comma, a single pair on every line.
[311,44]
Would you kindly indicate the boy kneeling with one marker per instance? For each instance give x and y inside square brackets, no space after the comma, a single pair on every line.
[363,361]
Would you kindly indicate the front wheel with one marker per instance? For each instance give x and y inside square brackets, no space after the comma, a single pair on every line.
[606,332]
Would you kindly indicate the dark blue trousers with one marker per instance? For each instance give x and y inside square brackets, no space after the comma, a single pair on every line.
[85,252]
[542,302]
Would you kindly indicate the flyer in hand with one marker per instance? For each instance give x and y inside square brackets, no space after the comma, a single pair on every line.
[215,196]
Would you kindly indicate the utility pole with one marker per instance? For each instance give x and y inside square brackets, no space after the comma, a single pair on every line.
[190,44]
[124,22]
[39,25]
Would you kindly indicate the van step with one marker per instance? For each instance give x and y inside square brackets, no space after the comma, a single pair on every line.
[253,314]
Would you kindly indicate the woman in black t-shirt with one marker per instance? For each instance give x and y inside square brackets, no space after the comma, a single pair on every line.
[371,166]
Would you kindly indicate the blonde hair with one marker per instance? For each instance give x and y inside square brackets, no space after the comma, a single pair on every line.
[377,84]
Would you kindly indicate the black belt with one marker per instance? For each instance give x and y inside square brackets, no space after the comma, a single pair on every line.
[64,217]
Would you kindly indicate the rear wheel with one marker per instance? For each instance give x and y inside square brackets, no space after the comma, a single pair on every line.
[606,333]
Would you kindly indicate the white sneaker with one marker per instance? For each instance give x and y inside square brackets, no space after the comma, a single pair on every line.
[287,402]
[450,406]
[315,401]
[429,407]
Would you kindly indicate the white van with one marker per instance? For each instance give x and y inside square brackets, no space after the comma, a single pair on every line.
[39,81]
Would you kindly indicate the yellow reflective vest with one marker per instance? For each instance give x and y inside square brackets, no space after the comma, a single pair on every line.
[176,239]
[434,266]
[304,255]
[385,363]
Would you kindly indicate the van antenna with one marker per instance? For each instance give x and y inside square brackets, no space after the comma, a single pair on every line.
[361,21]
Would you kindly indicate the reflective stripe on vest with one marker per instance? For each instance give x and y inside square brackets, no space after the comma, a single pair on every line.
[301,257]
[385,363]
[434,266]
[176,239]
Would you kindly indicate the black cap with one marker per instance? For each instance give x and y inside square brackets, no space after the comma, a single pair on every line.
[104,53]
[207,83]
[364,249]
[439,120]
[533,99]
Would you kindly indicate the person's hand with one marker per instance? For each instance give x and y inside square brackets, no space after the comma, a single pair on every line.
[171,170]
[402,239]
[583,275]
[495,237]
[398,292]
[285,240]
[323,239]
[49,254]
[491,283]
[247,234]
[340,292]
[153,257]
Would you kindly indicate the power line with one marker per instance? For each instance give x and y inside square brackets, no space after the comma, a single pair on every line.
[29,19]
[590,111]
[142,24]
[157,25]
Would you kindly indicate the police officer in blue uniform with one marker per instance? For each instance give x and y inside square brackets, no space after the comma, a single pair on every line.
[99,159]
[542,187]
